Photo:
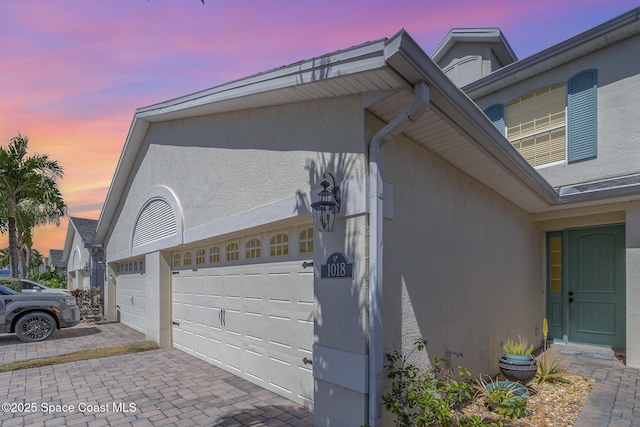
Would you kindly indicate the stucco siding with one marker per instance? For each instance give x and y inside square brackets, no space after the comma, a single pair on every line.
[463,266]
[618,127]
[223,165]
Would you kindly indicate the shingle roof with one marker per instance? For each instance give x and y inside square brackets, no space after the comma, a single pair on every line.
[86,228]
[55,257]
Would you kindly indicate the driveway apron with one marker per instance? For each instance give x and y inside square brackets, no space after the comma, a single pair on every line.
[154,388]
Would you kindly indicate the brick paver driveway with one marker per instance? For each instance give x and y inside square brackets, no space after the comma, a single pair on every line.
[160,387]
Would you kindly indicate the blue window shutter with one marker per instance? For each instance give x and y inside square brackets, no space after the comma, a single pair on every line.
[582,117]
[496,115]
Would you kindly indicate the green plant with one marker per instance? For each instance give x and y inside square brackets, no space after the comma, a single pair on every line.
[431,397]
[14,284]
[550,369]
[520,347]
[503,399]
[49,278]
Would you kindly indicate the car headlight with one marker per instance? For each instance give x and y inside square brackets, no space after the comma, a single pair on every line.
[70,300]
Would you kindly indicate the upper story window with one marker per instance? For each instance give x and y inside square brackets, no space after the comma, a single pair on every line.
[536,125]
[279,245]
[553,124]
[233,251]
[252,249]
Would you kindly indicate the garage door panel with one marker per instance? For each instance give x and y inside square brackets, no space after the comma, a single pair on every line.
[214,285]
[131,301]
[215,351]
[213,318]
[304,294]
[254,325]
[232,286]
[266,326]
[253,287]
[200,315]
[304,329]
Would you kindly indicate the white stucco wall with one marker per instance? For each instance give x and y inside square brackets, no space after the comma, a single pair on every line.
[633,284]
[618,127]
[76,275]
[222,165]
[221,169]
[463,266]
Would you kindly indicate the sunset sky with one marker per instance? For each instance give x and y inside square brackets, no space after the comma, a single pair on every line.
[72,72]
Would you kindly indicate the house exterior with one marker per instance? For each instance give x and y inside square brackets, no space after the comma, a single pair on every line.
[84,259]
[445,230]
[54,262]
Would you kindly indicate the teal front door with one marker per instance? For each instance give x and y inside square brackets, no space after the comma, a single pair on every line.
[595,293]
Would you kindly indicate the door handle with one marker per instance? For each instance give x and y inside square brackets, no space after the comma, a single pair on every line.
[307,361]
[570,300]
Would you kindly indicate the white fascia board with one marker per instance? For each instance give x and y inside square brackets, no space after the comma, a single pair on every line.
[610,32]
[475,35]
[406,57]
[350,61]
[366,57]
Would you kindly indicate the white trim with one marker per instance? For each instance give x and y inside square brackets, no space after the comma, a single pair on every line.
[158,192]
[343,368]
[354,202]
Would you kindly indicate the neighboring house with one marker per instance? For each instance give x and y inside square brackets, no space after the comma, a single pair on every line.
[85,263]
[211,249]
[54,262]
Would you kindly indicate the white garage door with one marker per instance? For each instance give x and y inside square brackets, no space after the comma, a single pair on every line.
[130,295]
[254,320]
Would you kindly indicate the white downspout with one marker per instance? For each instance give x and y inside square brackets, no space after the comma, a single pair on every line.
[376,218]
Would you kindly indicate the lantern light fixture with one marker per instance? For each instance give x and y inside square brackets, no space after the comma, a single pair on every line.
[327,205]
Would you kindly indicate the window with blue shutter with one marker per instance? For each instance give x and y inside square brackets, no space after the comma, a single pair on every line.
[496,115]
[582,118]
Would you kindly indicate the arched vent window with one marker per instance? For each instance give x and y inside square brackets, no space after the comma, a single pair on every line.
[155,222]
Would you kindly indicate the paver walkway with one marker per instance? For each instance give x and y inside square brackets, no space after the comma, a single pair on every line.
[615,398]
[154,388]
[169,387]
[81,337]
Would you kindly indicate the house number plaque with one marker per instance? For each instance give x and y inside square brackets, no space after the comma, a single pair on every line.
[337,267]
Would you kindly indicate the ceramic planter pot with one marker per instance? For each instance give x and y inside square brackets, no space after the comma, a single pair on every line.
[522,371]
[520,392]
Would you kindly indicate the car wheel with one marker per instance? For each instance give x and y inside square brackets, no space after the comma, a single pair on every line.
[35,326]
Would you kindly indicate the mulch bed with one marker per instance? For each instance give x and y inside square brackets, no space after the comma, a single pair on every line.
[549,404]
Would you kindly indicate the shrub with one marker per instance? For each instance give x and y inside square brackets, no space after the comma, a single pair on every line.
[15,284]
[503,398]
[550,370]
[433,397]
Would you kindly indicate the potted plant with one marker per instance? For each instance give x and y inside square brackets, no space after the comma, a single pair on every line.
[517,350]
[504,397]
[517,363]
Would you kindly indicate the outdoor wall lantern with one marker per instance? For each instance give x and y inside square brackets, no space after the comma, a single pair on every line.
[327,205]
[87,267]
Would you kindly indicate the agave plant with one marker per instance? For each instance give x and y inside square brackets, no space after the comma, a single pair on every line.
[550,369]
[520,347]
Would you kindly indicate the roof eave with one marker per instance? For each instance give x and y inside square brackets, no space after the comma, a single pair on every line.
[582,44]
[405,55]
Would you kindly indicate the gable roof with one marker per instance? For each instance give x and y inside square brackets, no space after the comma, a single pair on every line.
[86,228]
[607,33]
[55,258]
[453,128]
[493,36]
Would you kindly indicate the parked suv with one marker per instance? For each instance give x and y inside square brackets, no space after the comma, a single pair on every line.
[35,316]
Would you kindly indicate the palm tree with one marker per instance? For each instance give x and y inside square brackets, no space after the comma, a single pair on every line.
[28,179]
